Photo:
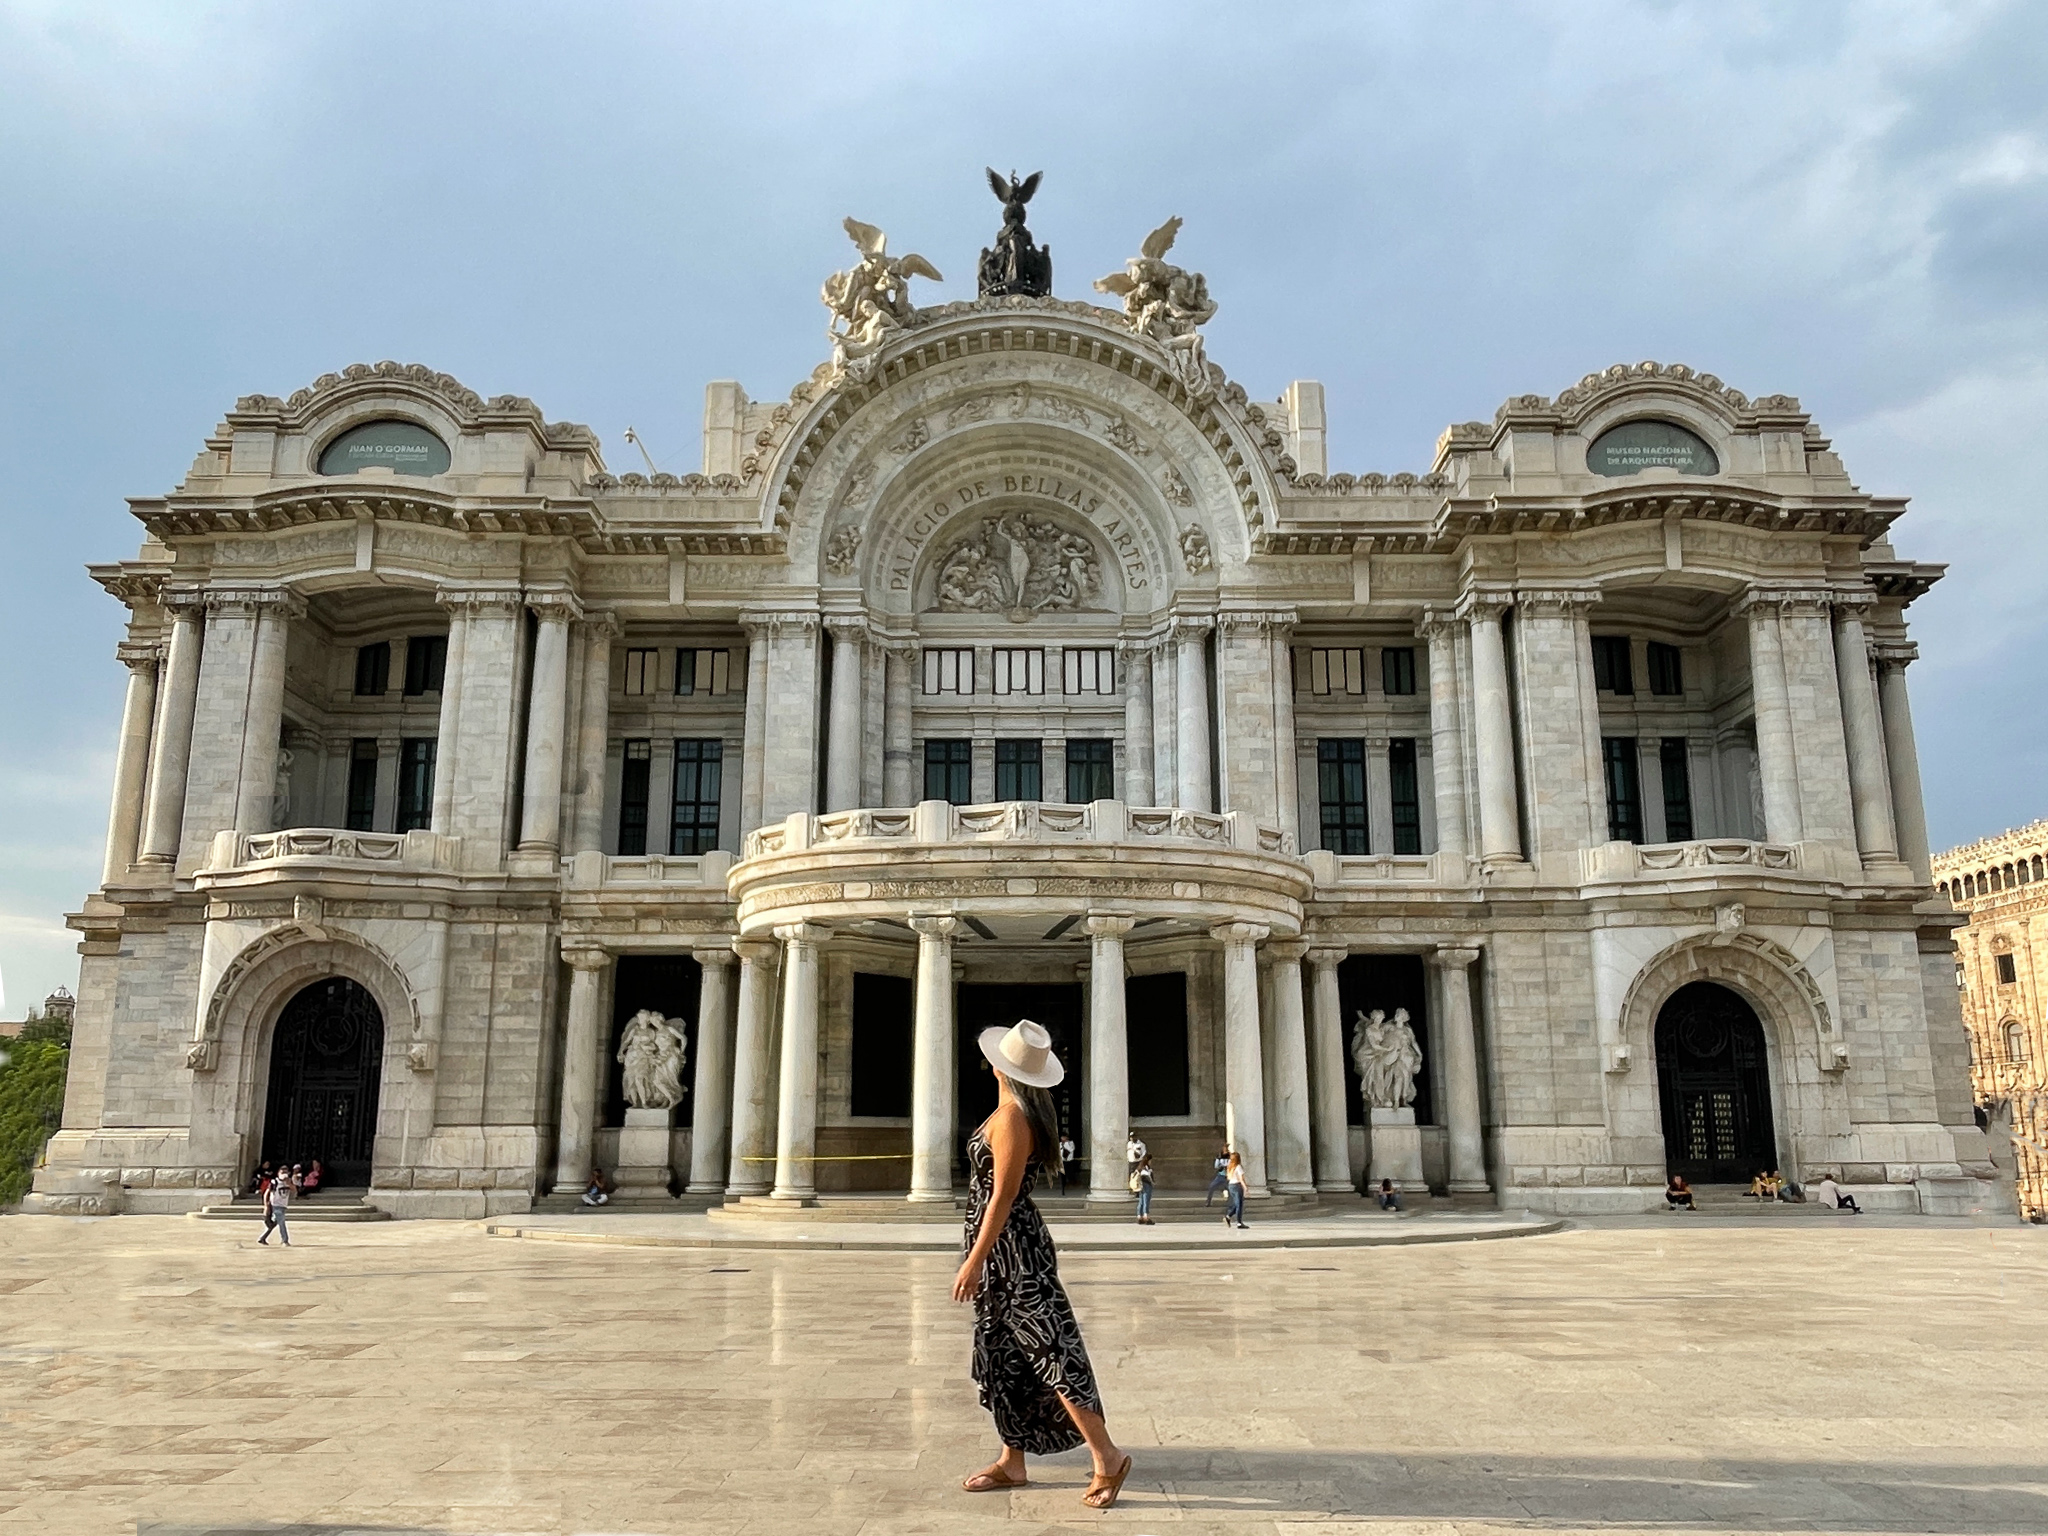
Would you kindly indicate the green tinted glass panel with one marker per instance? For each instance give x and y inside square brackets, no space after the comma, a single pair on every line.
[401,445]
[1638,445]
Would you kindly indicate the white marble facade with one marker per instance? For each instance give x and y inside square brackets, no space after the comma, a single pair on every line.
[1022,639]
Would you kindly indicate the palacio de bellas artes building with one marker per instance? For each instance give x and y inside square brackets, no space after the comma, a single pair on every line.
[1017,663]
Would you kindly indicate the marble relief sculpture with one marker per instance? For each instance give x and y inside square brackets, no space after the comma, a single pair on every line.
[1194,549]
[842,549]
[870,302]
[1387,1056]
[1168,304]
[652,1050]
[1020,565]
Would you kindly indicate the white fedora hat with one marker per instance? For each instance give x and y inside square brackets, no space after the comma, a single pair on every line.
[1023,1053]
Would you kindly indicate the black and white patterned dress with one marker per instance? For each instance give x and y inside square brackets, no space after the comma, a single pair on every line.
[1028,1352]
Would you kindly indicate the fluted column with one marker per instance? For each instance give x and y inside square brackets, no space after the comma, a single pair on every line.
[1192,747]
[931,1061]
[452,670]
[1165,724]
[1109,1066]
[796,1116]
[166,811]
[1777,766]
[256,789]
[1461,1071]
[1446,751]
[842,748]
[593,727]
[1902,755]
[131,764]
[711,1092]
[753,1071]
[1863,731]
[1135,660]
[1500,835]
[581,1079]
[899,774]
[1292,1171]
[1326,1060]
[547,719]
[1287,781]
[1244,1087]
[754,750]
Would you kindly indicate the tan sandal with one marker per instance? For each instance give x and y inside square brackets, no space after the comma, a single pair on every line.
[1102,1491]
[989,1480]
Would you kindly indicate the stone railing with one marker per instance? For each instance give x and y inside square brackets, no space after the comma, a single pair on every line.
[1638,861]
[585,871]
[297,847]
[1030,821]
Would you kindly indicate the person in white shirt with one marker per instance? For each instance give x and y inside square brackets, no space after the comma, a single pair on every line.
[276,1201]
[1832,1195]
[1066,1160]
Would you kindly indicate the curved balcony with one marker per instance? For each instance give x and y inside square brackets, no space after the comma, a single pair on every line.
[300,853]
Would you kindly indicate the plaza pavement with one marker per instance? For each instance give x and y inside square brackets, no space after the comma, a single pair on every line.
[1661,1373]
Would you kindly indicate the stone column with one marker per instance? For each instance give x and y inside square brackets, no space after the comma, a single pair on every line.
[1863,729]
[711,1093]
[1292,1171]
[1244,1086]
[256,788]
[796,1117]
[582,1082]
[1165,726]
[1287,780]
[451,713]
[842,748]
[1446,755]
[1461,1070]
[1902,755]
[753,1141]
[593,728]
[1379,794]
[131,765]
[1500,835]
[1109,1064]
[166,811]
[547,719]
[1192,748]
[1135,658]
[1776,766]
[931,1061]
[755,747]
[1326,1058]
[899,775]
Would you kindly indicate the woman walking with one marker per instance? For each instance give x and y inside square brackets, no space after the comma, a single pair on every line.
[1029,1360]
[1233,1173]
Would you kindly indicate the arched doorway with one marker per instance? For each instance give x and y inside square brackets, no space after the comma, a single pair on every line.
[1715,1084]
[325,1058]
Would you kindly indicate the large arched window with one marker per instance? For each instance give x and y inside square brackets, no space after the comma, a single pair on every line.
[404,446]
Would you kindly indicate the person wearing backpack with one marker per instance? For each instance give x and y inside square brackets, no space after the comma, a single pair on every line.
[1141,1186]
[277,1199]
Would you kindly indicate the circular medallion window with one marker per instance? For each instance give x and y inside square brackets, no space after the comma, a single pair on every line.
[405,446]
[1638,445]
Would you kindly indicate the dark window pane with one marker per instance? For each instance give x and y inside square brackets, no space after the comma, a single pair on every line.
[1090,772]
[1156,1039]
[633,784]
[1340,766]
[1667,669]
[415,783]
[1019,770]
[948,771]
[373,669]
[1611,670]
[1397,669]
[693,825]
[362,784]
[2008,971]
[1624,797]
[881,1044]
[1401,780]
[426,660]
[1677,789]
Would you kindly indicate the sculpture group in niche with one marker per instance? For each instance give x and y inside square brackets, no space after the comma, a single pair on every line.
[1387,1056]
[652,1050]
[1168,304]
[1018,564]
[871,301]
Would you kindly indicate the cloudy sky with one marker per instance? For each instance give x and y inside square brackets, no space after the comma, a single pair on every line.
[1427,206]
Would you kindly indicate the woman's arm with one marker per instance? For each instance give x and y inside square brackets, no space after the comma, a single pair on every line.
[1009,1141]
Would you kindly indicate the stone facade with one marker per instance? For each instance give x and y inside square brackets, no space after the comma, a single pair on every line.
[2002,976]
[1016,648]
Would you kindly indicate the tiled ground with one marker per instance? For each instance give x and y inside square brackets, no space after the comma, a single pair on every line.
[165,1375]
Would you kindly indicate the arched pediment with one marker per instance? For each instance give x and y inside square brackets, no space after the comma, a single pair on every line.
[253,985]
[1777,984]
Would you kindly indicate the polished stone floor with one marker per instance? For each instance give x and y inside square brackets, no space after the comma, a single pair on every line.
[166,1376]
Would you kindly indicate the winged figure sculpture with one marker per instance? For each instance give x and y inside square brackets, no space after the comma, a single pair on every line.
[1167,303]
[871,300]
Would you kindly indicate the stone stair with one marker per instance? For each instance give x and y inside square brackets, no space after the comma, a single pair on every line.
[327,1205]
[640,1204]
[1167,1209]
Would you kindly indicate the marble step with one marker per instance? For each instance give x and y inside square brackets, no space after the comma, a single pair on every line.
[341,1205]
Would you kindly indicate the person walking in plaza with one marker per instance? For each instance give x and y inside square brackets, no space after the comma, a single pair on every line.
[1222,1178]
[1141,1186]
[1029,1360]
[1233,1174]
[276,1201]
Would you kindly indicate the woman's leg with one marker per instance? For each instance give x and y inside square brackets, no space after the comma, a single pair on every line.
[1103,1449]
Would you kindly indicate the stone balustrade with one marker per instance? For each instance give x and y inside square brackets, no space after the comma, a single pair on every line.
[308,848]
[671,871]
[1636,861]
[1006,821]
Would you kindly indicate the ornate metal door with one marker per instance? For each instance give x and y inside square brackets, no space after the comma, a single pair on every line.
[325,1057]
[1715,1085]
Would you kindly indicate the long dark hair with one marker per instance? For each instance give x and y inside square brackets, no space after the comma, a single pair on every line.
[1040,1114]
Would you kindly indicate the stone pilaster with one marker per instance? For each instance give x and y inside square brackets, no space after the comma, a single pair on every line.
[1863,733]
[1447,757]
[1244,1087]
[1902,757]
[788,735]
[1165,723]
[796,1119]
[843,740]
[1500,837]
[1192,744]
[1288,1135]
[131,764]
[238,714]
[582,1078]
[166,812]
[446,733]
[1326,1062]
[1461,1070]
[547,720]
[1813,693]
[1560,720]
[753,1071]
[480,778]
[1109,1071]
[754,748]
[1286,784]
[900,784]
[1134,661]
[593,728]
[931,1061]
[1777,767]
[711,1092]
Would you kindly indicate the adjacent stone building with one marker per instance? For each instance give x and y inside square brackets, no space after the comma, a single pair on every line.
[2002,973]
[1018,662]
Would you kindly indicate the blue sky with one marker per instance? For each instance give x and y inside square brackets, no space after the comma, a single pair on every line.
[1427,206]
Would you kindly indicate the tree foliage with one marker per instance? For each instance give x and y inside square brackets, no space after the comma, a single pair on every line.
[31,1108]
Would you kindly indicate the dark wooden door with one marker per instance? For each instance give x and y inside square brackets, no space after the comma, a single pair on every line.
[325,1058]
[1715,1084]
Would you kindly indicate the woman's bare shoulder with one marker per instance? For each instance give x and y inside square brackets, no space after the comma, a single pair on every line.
[1007,1122]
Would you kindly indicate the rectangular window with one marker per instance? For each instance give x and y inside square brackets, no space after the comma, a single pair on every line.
[415,783]
[1090,770]
[373,669]
[426,664]
[1397,669]
[1090,671]
[1611,673]
[1019,769]
[1624,792]
[1340,766]
[633,782]
[362,784]
[948,770]
[703,671]
[693,825]
[1407,794]
[1019,671]
[643,671]
[949,671]
[1336,671]
[882,1014]
[1671,757]
[1667,669]
[2008,973]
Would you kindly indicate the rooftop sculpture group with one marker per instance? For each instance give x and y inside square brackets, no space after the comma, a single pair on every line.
[871,301]
[1168,304]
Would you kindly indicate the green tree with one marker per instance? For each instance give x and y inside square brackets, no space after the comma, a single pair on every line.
[31,1108]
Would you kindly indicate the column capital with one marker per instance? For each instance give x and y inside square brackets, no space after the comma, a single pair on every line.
[587,959]
[1449,957]
[1135,648]
[754,951]
[599,623]
[1556,602]
[1895,653]
[934,925]
[1109,925]
[247,600]
[846,626]
[1287,951]
[554,606]
[1256,621]
[138,654]
[806,934]
[182,602]
[472,601]
[1328,959]
[773,624]
[715,952]
[1239,933]
[1485,604]
[1855,604]
[1435,624]
[1782,600]
[1190,630]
